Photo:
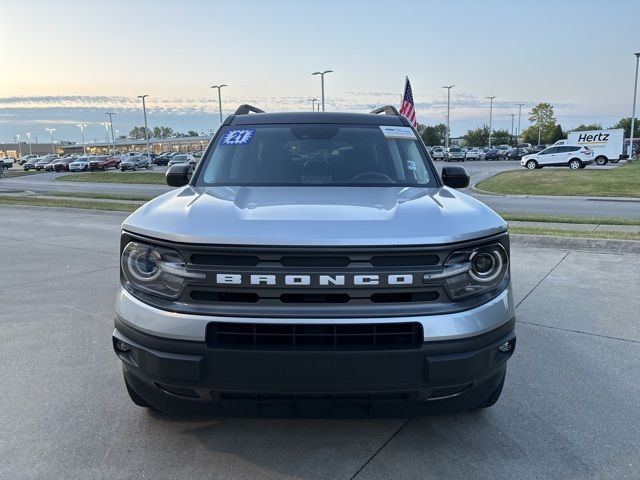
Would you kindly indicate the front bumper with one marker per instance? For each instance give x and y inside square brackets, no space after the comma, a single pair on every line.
[172,367]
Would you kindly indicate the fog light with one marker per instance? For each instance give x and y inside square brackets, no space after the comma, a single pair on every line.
[505,347]
[122,347]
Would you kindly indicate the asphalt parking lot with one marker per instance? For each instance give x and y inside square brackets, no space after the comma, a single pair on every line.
[570,409]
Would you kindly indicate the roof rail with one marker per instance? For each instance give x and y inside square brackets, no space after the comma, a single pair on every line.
[246,109]
[387,110]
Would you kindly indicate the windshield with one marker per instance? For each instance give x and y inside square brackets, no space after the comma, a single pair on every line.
[316,154]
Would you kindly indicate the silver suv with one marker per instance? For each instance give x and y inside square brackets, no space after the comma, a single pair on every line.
[314,260]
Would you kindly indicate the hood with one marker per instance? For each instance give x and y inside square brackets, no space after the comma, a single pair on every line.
[323,216]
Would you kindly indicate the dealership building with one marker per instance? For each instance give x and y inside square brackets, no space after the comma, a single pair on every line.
[122,145]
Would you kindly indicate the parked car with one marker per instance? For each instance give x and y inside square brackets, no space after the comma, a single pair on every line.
[454,153]
[62,165]
[537,148]
[438,153]
[475,154]
[7,162]
[30,164]
[103,162]
[492,154]
[135,162]
[80,164]
[25,158]
[572,156]
[44,161]
[163,158]
[183,158]
[516,153]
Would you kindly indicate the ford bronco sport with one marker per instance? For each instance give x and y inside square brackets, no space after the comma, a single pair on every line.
[311,260]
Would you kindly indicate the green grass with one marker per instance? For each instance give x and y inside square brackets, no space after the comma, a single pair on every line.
[67,203]
[116,177]
[102,196]
[623,181]
[13,172]
[525,217]
[600,235]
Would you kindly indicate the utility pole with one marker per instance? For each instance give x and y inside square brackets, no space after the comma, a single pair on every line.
[490,118]
[313,104]
[322,74]
[520,105]
[29,137]
[446,138]
[19,146]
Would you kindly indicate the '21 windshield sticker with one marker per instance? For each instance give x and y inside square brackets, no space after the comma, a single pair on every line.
[237,137]
[398,132]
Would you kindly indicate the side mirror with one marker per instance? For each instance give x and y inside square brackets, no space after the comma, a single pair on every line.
[455,176]
[179,174]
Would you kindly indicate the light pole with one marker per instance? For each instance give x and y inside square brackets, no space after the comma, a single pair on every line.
[84,149]
[520,105]
[322,74]
[490,117]
[313,104]
[513,116]
[19,146]
[446,139]
[146,130]
[51,130]
[113,137]
[29,137]
[219,87]
[633,110]
[106,132]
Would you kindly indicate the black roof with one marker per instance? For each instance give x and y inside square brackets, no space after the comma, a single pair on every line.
[317,117]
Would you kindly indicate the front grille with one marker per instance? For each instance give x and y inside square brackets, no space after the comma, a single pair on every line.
[331,292]
[376,336]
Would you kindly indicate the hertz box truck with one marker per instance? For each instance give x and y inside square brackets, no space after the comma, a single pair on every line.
[607,145]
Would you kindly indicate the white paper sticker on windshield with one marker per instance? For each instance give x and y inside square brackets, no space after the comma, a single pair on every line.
[398,132]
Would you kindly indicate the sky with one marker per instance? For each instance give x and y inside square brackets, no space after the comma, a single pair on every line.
[67,62]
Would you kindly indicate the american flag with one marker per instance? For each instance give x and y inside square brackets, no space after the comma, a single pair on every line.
[408,108]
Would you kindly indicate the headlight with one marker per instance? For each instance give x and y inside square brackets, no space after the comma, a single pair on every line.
[156,270]
[475,271]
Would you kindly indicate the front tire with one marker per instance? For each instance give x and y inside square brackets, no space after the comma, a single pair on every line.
[575,164]
[135,168]
[531,164]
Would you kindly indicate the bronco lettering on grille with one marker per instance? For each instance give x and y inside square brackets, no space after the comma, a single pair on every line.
[322,280]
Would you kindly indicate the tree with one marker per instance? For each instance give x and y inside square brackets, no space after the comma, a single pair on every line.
[192,133]
[589,126]
[626,124]
[137,133]
[162,132]
[501,137]
[558,134]
[432,135]
[477,137]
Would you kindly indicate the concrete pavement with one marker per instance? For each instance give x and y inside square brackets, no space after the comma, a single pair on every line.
[569,409]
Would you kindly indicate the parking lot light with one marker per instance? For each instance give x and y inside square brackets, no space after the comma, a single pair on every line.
[113,137]
[84,148]
[219,87]
[490,117]
[29,137]
[51,130]
[146,129]
[322,74]
[633,110]
[446,139]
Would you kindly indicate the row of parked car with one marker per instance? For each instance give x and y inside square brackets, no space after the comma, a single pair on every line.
[85,163]
[501,152]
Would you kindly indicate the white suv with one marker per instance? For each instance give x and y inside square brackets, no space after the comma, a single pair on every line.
[438,153]
[572,156]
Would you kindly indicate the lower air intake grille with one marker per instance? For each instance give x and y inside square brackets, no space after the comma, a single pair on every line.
[377,336]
